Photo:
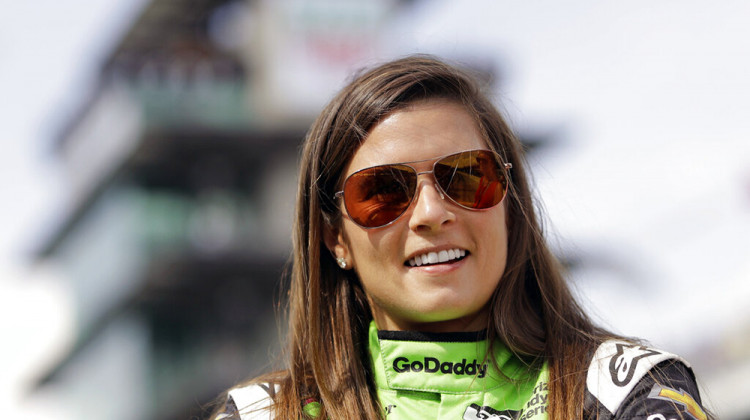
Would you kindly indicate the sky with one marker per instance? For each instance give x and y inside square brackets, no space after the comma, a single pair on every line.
[647,100]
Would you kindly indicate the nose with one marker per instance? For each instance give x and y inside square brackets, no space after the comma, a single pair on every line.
[431,211]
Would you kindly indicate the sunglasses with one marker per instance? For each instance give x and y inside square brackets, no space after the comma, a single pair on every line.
[377,196]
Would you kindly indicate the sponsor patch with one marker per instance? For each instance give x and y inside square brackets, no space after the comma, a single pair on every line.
[474,412]
[617,367]
[692,408]
[434,365]
[623,365]
[536,407]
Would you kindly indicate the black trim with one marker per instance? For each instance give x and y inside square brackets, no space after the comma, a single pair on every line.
[449,337]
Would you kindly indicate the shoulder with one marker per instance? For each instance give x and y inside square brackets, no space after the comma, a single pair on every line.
[616,368]
[627,380]
[251,402]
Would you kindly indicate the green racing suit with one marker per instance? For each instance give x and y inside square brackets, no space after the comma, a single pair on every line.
[449,376]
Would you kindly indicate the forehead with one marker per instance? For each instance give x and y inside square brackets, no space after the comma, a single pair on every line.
[419,132]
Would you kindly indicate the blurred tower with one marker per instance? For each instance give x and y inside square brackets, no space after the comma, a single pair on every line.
[181,168]
[179,224]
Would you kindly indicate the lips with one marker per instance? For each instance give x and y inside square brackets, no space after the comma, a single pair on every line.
[436,257]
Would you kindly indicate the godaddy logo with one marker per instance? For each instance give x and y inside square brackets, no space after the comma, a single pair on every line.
[434,365]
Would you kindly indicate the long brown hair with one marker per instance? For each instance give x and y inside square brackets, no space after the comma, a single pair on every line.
[532,309]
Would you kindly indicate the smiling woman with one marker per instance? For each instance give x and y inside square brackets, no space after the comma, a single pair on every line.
[422,284]
[432,296]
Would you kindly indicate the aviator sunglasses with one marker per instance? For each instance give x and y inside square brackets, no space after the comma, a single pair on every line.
[377,196]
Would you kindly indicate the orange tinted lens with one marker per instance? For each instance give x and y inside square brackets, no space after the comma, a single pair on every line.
[473,179]
[377,196]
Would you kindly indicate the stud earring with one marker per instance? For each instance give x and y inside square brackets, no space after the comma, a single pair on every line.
[342,262]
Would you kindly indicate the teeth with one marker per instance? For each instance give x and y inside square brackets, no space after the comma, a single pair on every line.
[437,257]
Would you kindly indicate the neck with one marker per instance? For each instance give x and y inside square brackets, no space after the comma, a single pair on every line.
[473,322]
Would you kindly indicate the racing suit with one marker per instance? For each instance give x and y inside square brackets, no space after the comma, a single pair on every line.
[448,376]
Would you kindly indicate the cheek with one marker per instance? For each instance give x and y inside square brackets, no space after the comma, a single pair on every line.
[372,250]
[498,221]
[498,251]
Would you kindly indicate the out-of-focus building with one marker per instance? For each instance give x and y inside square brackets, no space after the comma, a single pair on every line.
[181,170]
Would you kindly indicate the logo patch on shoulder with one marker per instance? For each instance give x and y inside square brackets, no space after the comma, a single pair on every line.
[624,364]
[680,397]
[617,367]
[475,412]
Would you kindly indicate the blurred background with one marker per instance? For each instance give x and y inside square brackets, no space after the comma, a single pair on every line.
[149,156]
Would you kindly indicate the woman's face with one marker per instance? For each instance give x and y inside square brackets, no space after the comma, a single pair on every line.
[449,296]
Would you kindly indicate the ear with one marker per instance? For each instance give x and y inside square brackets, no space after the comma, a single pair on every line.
[336,244]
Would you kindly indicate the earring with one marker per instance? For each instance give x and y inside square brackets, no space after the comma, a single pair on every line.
[342,262]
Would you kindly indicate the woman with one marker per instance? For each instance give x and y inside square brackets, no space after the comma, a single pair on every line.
[411,299]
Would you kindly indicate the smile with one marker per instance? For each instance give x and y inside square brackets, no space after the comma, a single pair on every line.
[437,257]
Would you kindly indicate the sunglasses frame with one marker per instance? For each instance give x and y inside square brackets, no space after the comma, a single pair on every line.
[505,166]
